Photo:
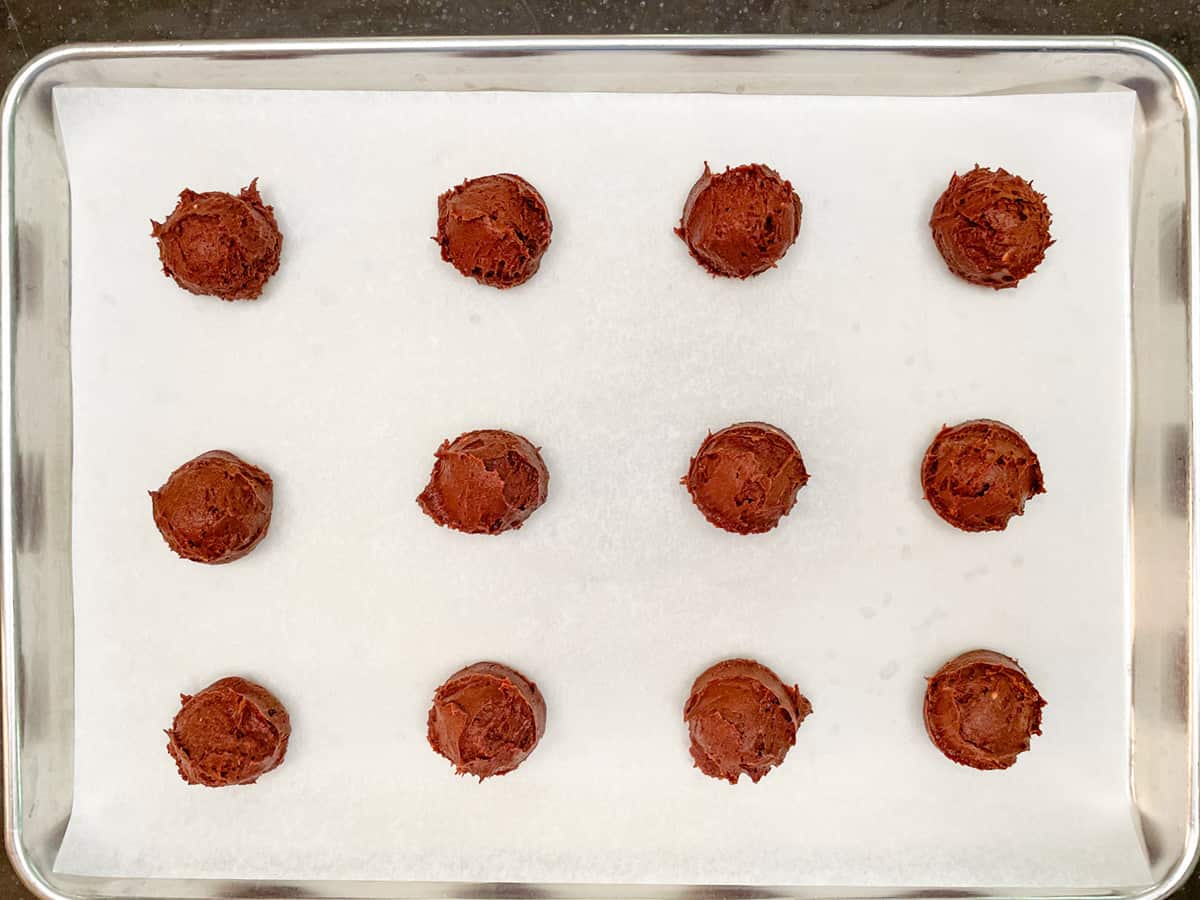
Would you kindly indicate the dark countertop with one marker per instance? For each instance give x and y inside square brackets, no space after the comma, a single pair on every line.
[36,25]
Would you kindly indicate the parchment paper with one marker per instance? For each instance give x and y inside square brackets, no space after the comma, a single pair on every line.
[367,350]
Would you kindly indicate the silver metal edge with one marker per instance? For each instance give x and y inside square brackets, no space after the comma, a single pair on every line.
[8,652]
[1188,97]
[548,44]
[15,93]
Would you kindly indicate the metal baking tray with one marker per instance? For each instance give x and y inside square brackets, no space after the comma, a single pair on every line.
[35,380]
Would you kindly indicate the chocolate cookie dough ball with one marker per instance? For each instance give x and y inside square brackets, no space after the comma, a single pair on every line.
[494,229]
[740,222]
[981,710]
[979,474]
[742,719]
[745,477]
[220,245]
[992,228]
[232,732]
[486,719]
[485,482]
[214,508]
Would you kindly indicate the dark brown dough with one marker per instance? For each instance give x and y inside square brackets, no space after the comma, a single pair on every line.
[981,710]
[978,475]
[742,719]
[220,245]
[745,477]
[992,228]
[232,732]
[486,719]
[494,229]
[740,222]
[214,508]
[485,482]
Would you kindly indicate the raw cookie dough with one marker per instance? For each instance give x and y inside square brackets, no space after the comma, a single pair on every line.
[978,475]
[494,229]
[742,719]
[485,482]
[220,245]
[992,228]
[740,222]
[745,477]
[486,719]
[214,508]
[981,710]
[232,732]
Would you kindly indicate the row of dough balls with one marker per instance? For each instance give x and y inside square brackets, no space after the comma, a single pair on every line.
[980,710]
[991,227]
[977,475]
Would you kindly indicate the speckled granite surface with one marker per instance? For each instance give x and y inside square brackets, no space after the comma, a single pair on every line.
[36,25]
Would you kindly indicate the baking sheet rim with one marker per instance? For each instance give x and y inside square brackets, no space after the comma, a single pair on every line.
[35,69]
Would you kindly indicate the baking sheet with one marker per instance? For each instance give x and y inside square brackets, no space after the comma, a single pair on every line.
[366,351]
